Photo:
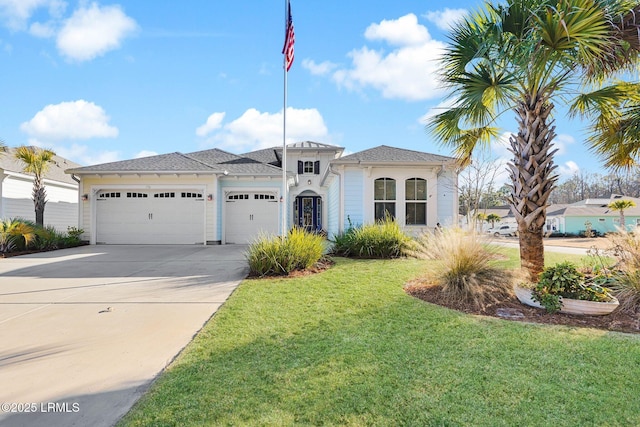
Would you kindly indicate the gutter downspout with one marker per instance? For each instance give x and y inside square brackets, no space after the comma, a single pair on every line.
[80,205]
[340,200]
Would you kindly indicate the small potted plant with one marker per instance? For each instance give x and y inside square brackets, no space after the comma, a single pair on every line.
[563,288]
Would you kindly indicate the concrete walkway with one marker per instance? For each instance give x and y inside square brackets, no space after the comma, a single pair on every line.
[547,248]
[84,331]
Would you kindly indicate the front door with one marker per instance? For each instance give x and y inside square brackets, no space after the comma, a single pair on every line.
[309,212]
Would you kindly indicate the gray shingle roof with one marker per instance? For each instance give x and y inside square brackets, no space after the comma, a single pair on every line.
[172,162]
[8,162]
[260,162]
[206,161]
[386,154]
[271,156]
[599,211]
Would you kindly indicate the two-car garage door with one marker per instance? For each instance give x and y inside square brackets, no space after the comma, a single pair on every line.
[178,216]
[150,217]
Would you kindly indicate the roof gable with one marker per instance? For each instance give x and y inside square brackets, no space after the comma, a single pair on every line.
[387,154]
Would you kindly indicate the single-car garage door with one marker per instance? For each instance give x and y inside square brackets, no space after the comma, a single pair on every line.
[150,217]
[249,214]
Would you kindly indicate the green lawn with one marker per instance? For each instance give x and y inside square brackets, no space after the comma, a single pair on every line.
[349,347]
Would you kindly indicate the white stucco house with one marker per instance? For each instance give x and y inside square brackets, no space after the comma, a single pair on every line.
[16,188]
[212,196]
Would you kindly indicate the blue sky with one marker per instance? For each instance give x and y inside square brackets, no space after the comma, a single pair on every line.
[105,81]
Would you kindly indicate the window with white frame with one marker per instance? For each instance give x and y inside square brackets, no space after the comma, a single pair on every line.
[416,201]
[384,194]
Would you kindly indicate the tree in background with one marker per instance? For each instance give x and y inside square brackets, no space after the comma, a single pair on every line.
[493,218]
[592,185]
[620,205]
[36,161]
[476,183]
[524,56]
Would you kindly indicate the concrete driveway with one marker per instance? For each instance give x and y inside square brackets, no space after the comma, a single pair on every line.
[84,331]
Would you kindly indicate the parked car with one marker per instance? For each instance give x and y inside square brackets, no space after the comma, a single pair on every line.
[504,230]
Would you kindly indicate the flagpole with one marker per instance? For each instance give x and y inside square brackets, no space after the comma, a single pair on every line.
[285,189]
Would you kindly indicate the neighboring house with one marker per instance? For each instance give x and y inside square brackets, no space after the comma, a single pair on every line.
[16,189]
[555,222]
[213,196]
[602,218]
[504,212]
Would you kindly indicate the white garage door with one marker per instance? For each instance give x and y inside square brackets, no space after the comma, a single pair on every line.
[150,217]
[249,214]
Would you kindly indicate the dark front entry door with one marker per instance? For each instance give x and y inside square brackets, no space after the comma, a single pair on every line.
[309,212]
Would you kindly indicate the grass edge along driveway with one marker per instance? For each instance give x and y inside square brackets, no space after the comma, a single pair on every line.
[349,347]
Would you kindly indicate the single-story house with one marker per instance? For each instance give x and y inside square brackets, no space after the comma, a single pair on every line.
[602,218]
[471,219]
[16,188]
[212,196]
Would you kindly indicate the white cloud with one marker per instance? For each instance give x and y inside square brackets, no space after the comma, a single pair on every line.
[568,170]
[214,121]
[434,111]
[254,129]
[447,18]
[145,153]
[70,120]
[320,69]
[408,72]
[403,31]
[78,153]
[15,14]
[561,141]
[92,31]
[44,31]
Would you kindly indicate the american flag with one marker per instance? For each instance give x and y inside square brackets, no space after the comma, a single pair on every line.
[289,40]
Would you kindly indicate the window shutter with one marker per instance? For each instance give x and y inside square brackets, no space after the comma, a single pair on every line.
[300,167]
[316,167]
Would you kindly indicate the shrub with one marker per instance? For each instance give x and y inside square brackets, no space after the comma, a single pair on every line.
[465,271]
[22,234]
[274,256]
[383,239]
[626,247]
[627,289]
[15,234]
[564,280]
[48,238]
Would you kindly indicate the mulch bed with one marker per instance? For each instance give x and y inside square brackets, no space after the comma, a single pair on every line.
[36,251]
[512,309]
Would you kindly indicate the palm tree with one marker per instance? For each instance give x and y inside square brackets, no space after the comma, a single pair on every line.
[36,161]
[621,205]
[14,232]
[524,56]
[493,218]
[480,218]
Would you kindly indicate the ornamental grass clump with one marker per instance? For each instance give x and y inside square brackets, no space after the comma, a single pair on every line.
[277,256]
[465,270]
[626,285]
[382,239]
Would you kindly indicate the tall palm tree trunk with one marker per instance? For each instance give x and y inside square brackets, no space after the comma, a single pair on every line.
[532,178]
[39,200]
